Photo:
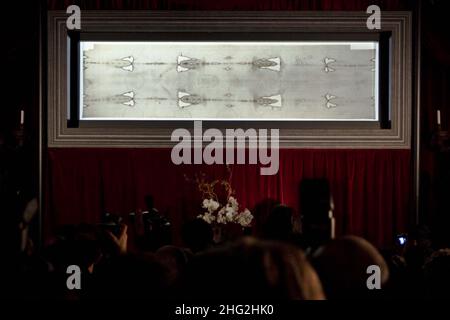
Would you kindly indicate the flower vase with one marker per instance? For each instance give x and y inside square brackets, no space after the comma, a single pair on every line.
[227,232]
[217,234]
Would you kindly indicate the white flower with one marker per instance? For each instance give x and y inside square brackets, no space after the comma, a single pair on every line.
[221,218]
[208,217]
[245,218]
[211,205]
[230,214]
[232,202]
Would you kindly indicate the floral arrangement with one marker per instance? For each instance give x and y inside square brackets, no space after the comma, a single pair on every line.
[228,213]
[217,213]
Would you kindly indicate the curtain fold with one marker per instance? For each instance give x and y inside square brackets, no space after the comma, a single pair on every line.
[371,188]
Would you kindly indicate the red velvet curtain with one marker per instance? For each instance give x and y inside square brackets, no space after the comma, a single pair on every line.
[370,187]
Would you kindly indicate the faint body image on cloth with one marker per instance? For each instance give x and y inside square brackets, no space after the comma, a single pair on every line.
[229,81]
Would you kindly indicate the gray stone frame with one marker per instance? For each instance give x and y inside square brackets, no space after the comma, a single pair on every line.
[292,134]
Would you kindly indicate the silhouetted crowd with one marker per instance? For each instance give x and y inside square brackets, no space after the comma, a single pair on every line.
[135,259]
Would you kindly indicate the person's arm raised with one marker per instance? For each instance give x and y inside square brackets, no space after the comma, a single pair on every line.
[120,241]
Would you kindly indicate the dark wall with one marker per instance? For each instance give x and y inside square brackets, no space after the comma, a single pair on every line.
[435,153]
[20,38]
[20,91]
